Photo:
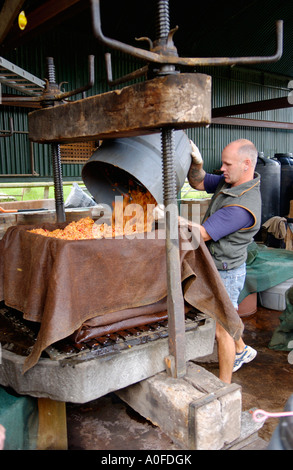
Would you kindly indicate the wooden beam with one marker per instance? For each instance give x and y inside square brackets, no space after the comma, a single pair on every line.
[252,107]
[52,432]
[178,101]
[230,121]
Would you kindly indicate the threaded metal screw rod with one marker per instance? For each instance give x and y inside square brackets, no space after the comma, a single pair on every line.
[51,70]
[58,186]
[163,21]
[168,150]
[56,158]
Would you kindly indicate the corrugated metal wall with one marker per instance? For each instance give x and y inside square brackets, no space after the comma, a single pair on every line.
[239,86]
[230,86]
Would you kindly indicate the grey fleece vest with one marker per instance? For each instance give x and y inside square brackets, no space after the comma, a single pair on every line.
[231,251]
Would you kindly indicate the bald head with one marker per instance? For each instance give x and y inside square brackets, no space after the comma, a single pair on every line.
[245,149]
[238,161]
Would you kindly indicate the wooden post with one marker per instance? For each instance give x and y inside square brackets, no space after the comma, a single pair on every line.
[46,192]
[52,433]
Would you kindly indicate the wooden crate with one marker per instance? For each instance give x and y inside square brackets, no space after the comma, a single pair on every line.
[77,153]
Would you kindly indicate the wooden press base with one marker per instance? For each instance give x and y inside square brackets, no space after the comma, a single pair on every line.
[52,433]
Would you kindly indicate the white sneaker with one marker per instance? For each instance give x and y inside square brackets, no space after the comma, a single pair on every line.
[247,355]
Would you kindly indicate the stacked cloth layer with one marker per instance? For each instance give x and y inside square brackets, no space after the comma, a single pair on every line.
[70,285]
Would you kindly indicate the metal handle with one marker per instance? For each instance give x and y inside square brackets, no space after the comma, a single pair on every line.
[126,78]
[151,56]
[91,60]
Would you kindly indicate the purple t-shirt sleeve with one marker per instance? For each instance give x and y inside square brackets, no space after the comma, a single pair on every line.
[211,182]
[227,220]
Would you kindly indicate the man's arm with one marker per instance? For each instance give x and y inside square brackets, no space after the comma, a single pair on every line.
[196,172]
[206,237]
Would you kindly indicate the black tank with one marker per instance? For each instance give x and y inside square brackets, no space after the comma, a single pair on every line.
[270,183]
[286,194]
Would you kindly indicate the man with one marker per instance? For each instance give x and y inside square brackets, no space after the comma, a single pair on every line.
[232,219]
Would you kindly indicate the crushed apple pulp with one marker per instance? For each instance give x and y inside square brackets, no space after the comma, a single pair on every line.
[123,221]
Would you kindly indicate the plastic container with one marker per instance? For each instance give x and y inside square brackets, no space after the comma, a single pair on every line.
[248,306]
[270,184]
[274,298]
[286,193]
[108,171]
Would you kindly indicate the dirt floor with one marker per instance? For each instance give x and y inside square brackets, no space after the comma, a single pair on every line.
[267,383]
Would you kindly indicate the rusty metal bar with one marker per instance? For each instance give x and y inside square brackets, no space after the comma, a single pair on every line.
[82,89]
[176,361]
[155,57]
[126,78]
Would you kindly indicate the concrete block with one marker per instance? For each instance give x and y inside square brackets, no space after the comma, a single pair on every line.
[226,426]
[249,433]
[164,401]
[85,378]
[198,411]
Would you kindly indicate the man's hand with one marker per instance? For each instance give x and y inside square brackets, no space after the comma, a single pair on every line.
[196,172]
[195,154]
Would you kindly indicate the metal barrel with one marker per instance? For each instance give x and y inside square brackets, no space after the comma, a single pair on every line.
[115,162]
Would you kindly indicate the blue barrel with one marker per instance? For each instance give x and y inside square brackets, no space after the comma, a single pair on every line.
[286,161]
[270,183]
